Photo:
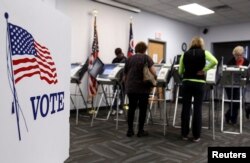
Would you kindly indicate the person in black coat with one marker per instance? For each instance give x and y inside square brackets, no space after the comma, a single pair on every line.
[120,58]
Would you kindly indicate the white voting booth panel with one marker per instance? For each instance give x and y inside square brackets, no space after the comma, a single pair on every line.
[234,77]
[211,76]
[110,73]
[35,52]
[162,72]
[115,72]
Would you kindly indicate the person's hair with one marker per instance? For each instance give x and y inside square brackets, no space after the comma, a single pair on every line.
[238,50]
[141,47]
[118,51]
[197,42]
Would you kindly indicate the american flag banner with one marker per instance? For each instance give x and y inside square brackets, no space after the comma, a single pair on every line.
[29,58]
[131,42]
[92,83]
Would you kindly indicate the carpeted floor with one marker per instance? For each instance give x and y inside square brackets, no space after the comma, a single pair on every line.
[104,143]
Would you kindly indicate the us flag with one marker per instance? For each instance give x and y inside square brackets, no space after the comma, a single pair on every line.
[131,42]
[29,58]
[92,83]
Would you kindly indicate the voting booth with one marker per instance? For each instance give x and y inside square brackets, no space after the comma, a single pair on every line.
[76,74]
[107,76]
[158,95]
[233,77]
[35,74]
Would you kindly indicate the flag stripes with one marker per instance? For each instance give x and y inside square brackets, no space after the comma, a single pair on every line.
[92,83]
[30,58]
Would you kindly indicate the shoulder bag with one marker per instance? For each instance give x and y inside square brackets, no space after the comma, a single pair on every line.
[148,77]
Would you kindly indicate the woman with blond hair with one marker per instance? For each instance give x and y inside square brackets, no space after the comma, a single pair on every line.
[193,68]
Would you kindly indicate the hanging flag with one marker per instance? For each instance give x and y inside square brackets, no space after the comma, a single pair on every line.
[29,58]
[131,42]
[92,83]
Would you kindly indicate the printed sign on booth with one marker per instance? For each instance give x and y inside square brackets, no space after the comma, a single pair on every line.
[34,114]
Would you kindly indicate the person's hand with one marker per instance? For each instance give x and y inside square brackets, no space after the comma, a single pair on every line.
[201,72]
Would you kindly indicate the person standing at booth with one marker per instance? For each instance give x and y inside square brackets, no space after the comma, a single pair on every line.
[137,90]
[234,93]
[120,58]
[193,68]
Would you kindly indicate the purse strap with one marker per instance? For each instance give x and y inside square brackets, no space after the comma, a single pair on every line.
[145,61]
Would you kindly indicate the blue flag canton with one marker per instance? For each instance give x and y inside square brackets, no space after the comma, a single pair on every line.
[22,42]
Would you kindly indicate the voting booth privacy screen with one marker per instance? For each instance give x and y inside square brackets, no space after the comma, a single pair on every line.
[97,68]
[35,83]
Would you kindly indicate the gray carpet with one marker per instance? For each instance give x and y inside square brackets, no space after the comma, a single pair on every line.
[103,143]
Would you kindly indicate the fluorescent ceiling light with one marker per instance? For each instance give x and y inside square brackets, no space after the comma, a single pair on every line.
[118,5]
[196,9]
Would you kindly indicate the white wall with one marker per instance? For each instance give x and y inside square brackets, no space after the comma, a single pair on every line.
[113,30]
[227,33]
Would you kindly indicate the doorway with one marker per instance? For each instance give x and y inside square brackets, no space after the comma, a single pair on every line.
[157,50]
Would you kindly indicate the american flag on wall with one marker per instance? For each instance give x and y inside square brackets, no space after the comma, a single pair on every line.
[131,42]
[92,83]
[30,58]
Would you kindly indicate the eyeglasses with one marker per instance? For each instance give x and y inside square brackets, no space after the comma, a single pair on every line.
[238,55]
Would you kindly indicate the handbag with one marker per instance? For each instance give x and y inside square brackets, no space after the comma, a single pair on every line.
[148,77]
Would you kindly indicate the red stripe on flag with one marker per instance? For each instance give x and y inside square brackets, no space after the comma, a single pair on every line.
[92,83]
[131,42]
[40,64]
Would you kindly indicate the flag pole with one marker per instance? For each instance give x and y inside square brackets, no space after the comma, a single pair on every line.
[15,108]
[92,57]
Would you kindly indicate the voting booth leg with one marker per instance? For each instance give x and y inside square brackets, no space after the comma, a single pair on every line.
[84,101]
[164,117]
[241,104]
[212,98]
[117,94]
[176,106]
[223,109]
[96,110]
[75,109]
[151,105]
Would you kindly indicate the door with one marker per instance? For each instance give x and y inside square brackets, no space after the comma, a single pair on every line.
[156,50]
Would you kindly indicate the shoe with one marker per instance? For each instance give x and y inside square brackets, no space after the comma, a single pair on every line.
[120,111]
[142,133]
[130,133]
[92,111]
[196,140]
[113,112]
[185,138]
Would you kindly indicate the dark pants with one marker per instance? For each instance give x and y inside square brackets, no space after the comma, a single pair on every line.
[121,95]
[140,100]
[189,90]
[232,112]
